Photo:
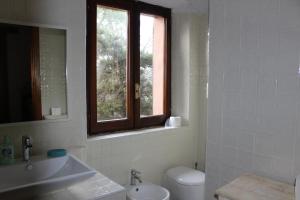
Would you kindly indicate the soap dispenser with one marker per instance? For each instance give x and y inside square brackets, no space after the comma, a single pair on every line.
[7,154]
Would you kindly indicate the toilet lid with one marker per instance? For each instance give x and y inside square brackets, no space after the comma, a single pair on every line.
[186,176]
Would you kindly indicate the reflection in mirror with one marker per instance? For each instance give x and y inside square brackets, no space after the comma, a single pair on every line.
[32,73]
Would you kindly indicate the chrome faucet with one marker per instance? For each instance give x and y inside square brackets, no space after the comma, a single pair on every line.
[26,147]
[135,175]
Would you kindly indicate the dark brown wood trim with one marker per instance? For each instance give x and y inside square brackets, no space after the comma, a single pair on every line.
[130,68]
[35,75]
[91,59]
[168,77]
[133,106]
[95,127]
[4,116]
[136,53]
[120,4]
[151,9]
[166,14]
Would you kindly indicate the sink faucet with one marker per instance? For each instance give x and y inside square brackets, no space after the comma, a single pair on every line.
[135,175]
[26,147]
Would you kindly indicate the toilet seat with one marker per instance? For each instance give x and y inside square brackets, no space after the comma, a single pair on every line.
[186,176]
[185,183]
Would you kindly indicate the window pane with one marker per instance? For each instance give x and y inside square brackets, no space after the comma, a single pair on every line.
[152,60]
[112,39]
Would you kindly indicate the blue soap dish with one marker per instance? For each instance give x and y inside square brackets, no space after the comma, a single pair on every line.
[54,153]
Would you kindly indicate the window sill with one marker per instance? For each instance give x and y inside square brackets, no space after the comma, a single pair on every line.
[133,133]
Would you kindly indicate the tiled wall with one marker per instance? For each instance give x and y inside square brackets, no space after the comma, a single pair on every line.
[253,111]
[53,69]
[199,77]
[151,153]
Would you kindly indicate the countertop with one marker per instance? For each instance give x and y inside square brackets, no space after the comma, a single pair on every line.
[94,188]
[252,187]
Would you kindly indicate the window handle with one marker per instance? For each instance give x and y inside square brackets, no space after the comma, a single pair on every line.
[137,91]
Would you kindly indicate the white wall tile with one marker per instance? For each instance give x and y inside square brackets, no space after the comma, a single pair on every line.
[245,141]
[264,144]
[263,164]
[229,137]
[228,156]
[245,161]
[297,158]
[283,170]
[258,53]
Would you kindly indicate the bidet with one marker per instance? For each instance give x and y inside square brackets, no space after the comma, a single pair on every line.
[147,191]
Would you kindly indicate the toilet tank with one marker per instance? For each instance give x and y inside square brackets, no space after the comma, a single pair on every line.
[185,183]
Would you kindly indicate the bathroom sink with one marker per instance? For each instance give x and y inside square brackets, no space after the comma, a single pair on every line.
[147,191]
[25,180]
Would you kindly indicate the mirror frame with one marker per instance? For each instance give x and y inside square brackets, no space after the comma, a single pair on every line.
[45,121]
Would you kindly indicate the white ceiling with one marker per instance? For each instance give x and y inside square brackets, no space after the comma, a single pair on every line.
[199,6]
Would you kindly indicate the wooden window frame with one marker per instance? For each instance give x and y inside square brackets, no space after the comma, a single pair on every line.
[133,121]
[35,74]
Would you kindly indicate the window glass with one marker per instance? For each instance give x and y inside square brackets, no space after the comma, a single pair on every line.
[112,43]
[152,64]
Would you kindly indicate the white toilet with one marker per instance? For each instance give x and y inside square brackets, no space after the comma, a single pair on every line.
[185,183]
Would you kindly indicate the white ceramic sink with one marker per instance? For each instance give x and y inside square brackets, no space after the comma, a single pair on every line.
[147,191]
[22,181]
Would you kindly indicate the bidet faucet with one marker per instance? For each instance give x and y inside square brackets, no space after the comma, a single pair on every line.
[26,148]
[135,175]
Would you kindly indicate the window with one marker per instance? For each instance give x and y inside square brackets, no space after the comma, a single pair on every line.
[128,65]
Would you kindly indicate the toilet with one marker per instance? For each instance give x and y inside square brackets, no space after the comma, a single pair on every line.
[184,183]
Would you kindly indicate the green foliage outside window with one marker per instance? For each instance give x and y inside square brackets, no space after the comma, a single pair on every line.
[111,67]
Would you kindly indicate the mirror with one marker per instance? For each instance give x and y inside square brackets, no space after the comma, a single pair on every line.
[32,73]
